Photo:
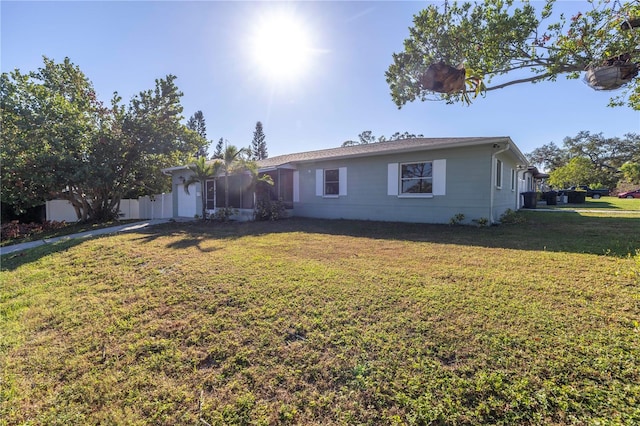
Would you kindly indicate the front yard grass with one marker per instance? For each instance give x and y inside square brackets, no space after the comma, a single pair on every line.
[605,203]
[327,322]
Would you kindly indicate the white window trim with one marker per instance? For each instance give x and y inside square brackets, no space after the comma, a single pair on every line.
[438,176]
[414,195]
[499,174]
[423,195]
[393,177]
[342,182]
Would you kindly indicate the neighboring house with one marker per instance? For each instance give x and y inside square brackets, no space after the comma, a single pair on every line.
[427,180]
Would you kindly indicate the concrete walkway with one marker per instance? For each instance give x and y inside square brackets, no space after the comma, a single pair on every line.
[87,234]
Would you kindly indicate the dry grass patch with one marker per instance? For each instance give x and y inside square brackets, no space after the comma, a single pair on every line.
[319,322]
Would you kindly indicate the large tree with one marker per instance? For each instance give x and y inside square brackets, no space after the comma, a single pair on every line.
[476,43]
[578,171]
[603,157]
[60,141]
[258,144]
[197,123]
[49,119]
[549,156]
[607,153]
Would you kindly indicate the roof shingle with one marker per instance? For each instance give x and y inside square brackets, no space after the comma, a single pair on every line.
[378,148]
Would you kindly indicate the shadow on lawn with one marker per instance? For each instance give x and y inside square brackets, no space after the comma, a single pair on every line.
[543,231]
[539,231]
[12,261]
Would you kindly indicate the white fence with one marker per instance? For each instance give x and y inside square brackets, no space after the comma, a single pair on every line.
[154,207]
[150,207]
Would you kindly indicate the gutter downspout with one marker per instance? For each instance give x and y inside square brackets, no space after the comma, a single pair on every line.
[493,178]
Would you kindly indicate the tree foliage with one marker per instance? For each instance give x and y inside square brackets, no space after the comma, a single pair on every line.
[549,156]
[258,144]
[60,141]
[608,154]
[367,137]
[631,172]
[219,150]
[495,40]
[197,123]
[578,171]
[605,158]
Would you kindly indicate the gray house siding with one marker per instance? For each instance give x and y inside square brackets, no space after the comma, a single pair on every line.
[367,188]
[506,195]
[367,181]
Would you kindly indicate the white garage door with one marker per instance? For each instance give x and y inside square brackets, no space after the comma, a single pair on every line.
[187,202]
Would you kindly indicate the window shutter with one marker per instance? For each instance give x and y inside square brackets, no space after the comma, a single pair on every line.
[342,176]
[296,186]
[319,182]
[439,177]
[392,179]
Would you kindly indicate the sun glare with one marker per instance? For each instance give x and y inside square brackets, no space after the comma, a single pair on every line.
[280,47]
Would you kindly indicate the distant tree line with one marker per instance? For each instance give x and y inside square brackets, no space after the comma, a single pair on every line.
[590,159]
[367,137]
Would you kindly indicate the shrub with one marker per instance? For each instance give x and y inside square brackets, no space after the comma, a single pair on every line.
[511,217]
[223,214]
[483,221]
[270,210]
[456,219]
[15,230]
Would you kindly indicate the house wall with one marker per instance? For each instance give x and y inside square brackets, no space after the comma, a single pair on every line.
[468,188]
[185,205]
[507,196]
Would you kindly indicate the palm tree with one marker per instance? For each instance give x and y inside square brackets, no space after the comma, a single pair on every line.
[235,160]
[232,160]
[202,171]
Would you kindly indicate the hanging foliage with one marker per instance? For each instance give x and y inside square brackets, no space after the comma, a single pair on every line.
[613,74]
[443,78]
[501,43]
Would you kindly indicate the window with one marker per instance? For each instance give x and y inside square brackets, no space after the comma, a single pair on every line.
[513,180]
[331,182]
[211,194]
[499,173]
[424,179]
[416,178]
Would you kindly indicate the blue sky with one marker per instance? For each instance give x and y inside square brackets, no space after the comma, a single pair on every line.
[340,92]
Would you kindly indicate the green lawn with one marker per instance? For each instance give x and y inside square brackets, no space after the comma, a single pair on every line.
[606,203]
[327,322]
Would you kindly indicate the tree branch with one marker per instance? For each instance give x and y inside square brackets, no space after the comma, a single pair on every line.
[523,80]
